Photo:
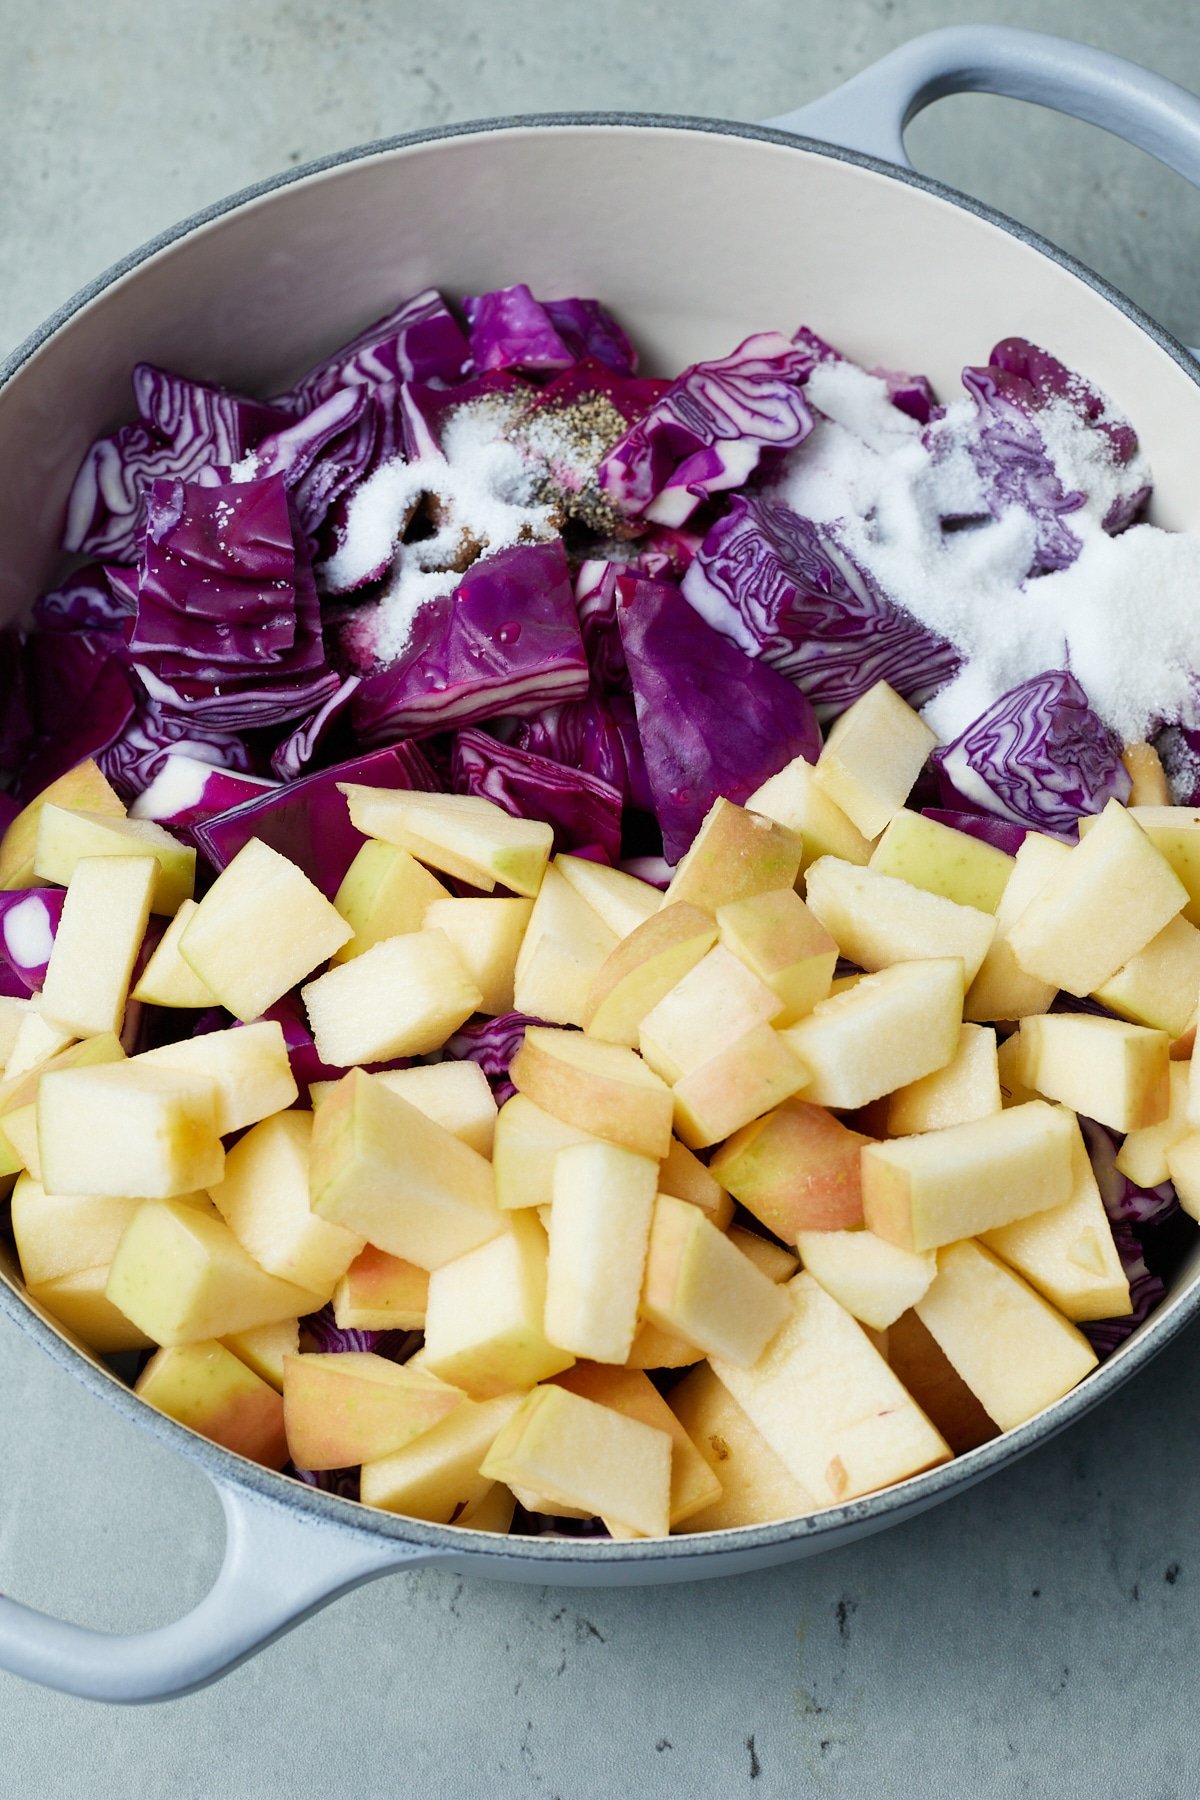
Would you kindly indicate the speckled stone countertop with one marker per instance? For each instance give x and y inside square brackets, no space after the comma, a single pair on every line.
[1037,1636]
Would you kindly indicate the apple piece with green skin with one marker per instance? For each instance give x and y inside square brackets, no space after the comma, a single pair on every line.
[775,1262]
[263,1198]
[701,1287]
[123,1129]
[933,856]
[563,950]
[205,1387]
[527,1141]
[461,835]
[381,1169]
[166,979]
[795,798]
[886,1031]
[379,1292]
[1158,986]
[923,1192]
[1068,1253]
[586,1456]
[1110,896]
[493,1513]
[1175,833]
[485,1329]
[60,1234]
[781,942]
[487,934]
[181,1276]
[403,997]
[79,1303]
[796,1169]
[629,1391]
[715,1003]
[643,968]
[753,1074]
[355,1407]
[455,1095]
[967,1088]
[260,929]
[683,1174]
[248,1066]
[1002,989]
[755,1486]
[734,854]
[872,757]
[621,901]
[36,1042]
[877,921]
[264,1348]
[81,789]
[936,1386]
[1105,1068]
[828,1404]
[599,1234]
[1143,1155]
[104,920]
[1015,1352]
[65,838]
[874,1280]
[605,1089]
[1183,1168]
[437,1477]
[383,893]
[654,1348]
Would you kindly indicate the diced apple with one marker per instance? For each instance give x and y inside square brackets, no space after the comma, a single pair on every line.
[18,1096]
[885,1032]
[355,1407]
[796,1169]
[1105,1068]
[453,1094]
[714,1004]
[1183,1167]
[936,1386]
[755,1073]
[61,1234]
[683,1174]
[379,1292]
[933,856]
[967,1088]
[872,757]
[264,1348]
[699,1286]
[19,1134]
[1149,778]
[384,1171]
[1013,1091]
[104,920]
[207,1388]
[1159,986]
[181,1276]
[166,979]
[1002,989]
[65,837]
[437,1477]
[260,929]
[460,834]
[263,1198]
[493,1513]
[755,1485]
[603,1088]
[795,798]
[643,968]
[922,1192]
[527,1141]
[781,942]
[484,1324]
[403,997]
[584,1455]
[123,1129]
[1113,893]
[829,1406]
[629,1391]
[1015,1352]
[775,1262]
[734,854]
[621,901]
[36,1042]
[384,893]
[599,1235]
[13,1013]
[1143,1155]
[487,935]
[875,1281]
[80,1304]
[564,948]
[657,1349]
[81,789]
[247,1064]
[1175,833]
[877,921]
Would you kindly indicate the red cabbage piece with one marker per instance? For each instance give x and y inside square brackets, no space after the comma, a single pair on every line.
[86,601]
[319,456]
[307,820]
[712,721]
[185,426]
[569,427]
[320,1332]
[584,811]
[492,1043]
[597,735]
[186,790]
[1178,748]
[17,727]
[596,603]
[1039,756]
[589,329]
[1124,1201]
[709,430]
[427,411]
[505,641]
[81,698]
[998,832]
[420,340]
[28,925]
[509,329]
[785,589]
[154,733]
[290,758]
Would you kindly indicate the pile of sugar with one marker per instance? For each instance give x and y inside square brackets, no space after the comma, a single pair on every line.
[1124,617]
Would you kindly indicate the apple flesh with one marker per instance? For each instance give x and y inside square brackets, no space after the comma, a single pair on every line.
[734,854]
[13,1012]
[1002,989]
[1149,778]
[403,997]
[755,1485]
[701,1287]
[781,942]
[1104,1068]
[354,1407]
[654,1348]
[79,1303]
[461,835]
[487,936]
[872,757]
[885,1032]
[36,1042]
[756,1072]
[967,1088]
[1159,985]
[166,979]
[1143,1155]
[379,1292]
[562,952]
[248,1066]
[81,789]
[776,1263]
[797,1169]
[683,1174]
[125,1129]
[104,919]
[599,1235]
[493,1513]
[65,837]
[936,1386]
[437,1477]
[693,1483]
[643,968]
[933,856]
[527,1141]
[717,1002]
[383,893]
[263,1198]
[1183,1168]
[1175,833]
[604,1089]
[264,1348]
[61,1234]
[484,1326]
[455,1095]
[208,1389]
[621,901]
[875,1281]
[877,921]
[795,798]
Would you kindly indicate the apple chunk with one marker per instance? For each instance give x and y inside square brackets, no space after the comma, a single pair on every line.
[776,1263]
[1175,833]
[527,1141]
[872,757]
[683,1174]
[563,950]
[1002,989]
[715,1003]
[264,1348]
[740,1083]
[604,1089]
[936,1385]
[484,1326]
[207,1388]
[124,1129]
[79,1303]
[797,1169]
[795,798]
[1105,1068]
[403,997]
[967,1088]
[166,979]
[620,901]
[785,945]
[877,920]
[755,1485]
[933,856]
[463,835]
[643,967]
[487,935]
[1143,1155]
[355,1407]
[61,1234]
[436,1477]
[384,893]
[453,1094]
[874,1280]
[701,1287]
[247,1065]
[599,1235]
[379,1292]
[885,1032]
[104,919]
[1159,985]
[629,1391]
[64,837]
[81,789]
[734,854]
[263,1198]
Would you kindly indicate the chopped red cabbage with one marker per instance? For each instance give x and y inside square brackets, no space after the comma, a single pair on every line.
[991,830]
[492,1043]
[584,811]
[81,699]
[28,924]
[186,790]
[420,340]
[87,601]
[589,329]
[290,758]
[597,735]
[509,329]
[133,760]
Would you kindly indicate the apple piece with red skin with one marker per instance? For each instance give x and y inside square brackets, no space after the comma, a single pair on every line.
[683,1174]
[353,1407]
[796,1169]
[785,945]
[756,1072]
[629,1391]
[795,798]
[604,1089]
[437,1476]
[379,1292]
[207,1388]
[734,854]
[643,968]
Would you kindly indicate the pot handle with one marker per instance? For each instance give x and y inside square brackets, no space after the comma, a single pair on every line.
[870,112]
[280,1567]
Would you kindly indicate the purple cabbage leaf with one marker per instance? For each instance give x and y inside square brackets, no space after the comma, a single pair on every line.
[584,810]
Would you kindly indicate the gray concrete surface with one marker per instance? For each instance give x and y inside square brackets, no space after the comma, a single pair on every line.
[1036,1637]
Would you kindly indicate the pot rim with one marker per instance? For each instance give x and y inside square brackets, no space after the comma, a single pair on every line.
[886,1505]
